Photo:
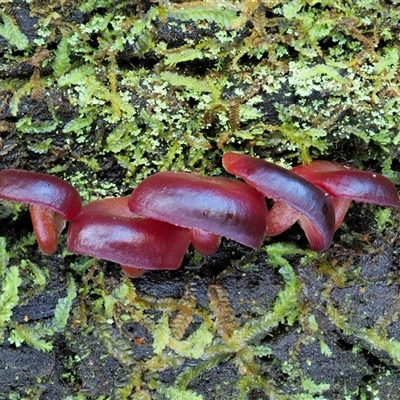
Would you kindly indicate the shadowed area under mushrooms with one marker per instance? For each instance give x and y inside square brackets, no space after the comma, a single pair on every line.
[104,94]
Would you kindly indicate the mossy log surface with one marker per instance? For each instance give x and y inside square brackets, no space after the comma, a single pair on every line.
[104,93]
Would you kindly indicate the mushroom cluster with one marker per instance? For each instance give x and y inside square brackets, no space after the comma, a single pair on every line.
[153,228]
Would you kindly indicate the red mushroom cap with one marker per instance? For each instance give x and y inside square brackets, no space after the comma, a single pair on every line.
[51,199]
[106,229]
[350,183]
[40,189]
[221,206]
[345,184]
[291,189]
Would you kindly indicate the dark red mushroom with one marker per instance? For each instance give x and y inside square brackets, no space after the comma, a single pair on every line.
[345,184]
[305,200]
[107,229]
[211,207]
[51,200]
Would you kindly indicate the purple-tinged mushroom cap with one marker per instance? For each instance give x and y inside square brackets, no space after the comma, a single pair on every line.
[219,206]
[345,184]
[107,229]
[51,200]
[290,189]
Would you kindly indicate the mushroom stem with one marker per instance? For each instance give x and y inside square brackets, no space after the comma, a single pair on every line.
[280,217]
[47,226]
[204,242]
[132,272]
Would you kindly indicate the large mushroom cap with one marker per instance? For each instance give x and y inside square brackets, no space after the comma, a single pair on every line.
[106,229]
[221,206]
[291,189]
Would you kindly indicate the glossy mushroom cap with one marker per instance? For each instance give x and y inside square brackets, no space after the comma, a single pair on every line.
[51,200]
[107,229]
[350,183]
[345,184]
[217,206]
[297,194]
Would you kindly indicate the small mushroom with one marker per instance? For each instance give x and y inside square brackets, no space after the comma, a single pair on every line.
[345,184]
[52,201]
[211,207]
[107,229]
[300,199]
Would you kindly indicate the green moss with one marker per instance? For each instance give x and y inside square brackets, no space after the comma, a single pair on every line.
[149,127]
[37,334]
[129,90]
[10,31]
[9,296]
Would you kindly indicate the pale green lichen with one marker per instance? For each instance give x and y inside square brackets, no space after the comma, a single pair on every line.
[154,129]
